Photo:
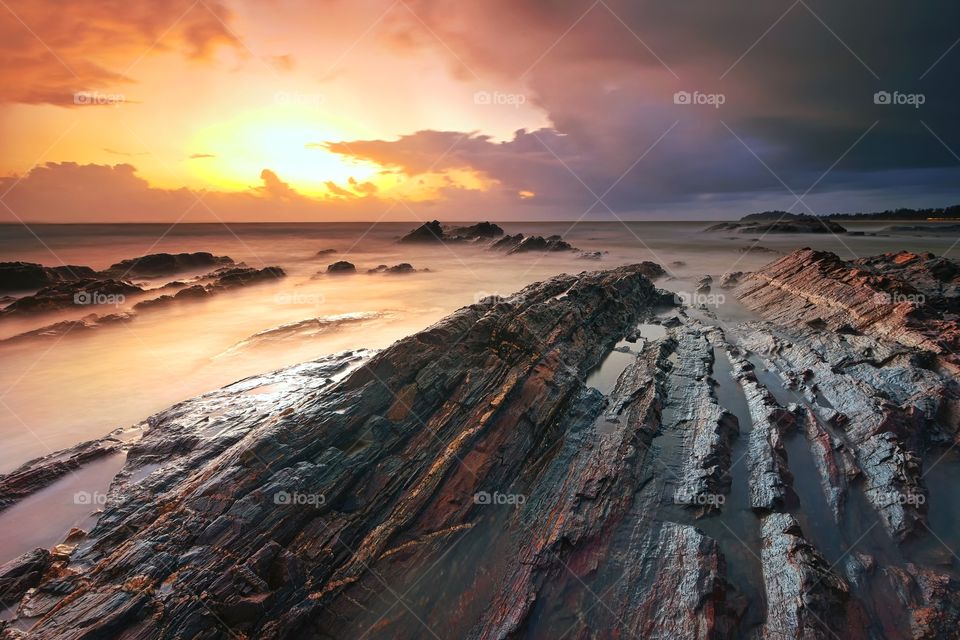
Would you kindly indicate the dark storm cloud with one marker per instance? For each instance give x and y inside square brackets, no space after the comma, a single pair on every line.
[798,81]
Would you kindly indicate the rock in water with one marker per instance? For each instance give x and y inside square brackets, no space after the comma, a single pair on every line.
[165,264]
[341,268]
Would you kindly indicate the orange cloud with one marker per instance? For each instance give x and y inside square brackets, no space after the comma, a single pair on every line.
[52,49]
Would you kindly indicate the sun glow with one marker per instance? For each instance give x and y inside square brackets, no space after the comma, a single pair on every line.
[286,139]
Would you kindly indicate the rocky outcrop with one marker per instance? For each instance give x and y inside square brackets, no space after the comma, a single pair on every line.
[218,282]
[24,276]
[341,268]
[799,224]
[85,292]
[819,289]
[467,482]
[397,269]
[165,264]
[805,599]
[434,232]
[21,574]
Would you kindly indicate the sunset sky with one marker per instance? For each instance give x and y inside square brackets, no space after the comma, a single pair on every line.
[119,110]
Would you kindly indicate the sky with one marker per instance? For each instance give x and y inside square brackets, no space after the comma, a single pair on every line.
[289,110]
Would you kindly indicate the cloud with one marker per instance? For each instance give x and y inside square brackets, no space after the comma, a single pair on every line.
[338,191]
[797,94]
[52,49]
[198,156]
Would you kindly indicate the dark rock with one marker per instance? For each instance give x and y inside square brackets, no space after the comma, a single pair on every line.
[165,264]
[24,276]
[484,230]
[539,243]
[70,294]
[23,573]
[508,242]
[341,268]
[403,267]
[243,276]
[798,224]
[429,232]
[41,472]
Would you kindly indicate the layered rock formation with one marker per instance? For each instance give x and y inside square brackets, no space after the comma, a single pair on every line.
[754,480]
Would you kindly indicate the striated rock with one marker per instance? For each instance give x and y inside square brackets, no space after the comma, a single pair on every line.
[286,520]
[165,264]
[24,276]
[770,480]
[23,573]
[805,599]
[707,430]
[819,289]
[341,268]
[467,480]
[936,279]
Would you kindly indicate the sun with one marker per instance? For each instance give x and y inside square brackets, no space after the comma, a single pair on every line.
[285,138]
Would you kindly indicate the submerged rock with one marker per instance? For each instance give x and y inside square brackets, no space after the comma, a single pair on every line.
[165,264]
[341,267]
[397,269]
[434,232]
[799,224]
[81,293]
[24,276]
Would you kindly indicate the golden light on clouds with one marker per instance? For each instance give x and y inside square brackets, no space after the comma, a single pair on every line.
[286,139]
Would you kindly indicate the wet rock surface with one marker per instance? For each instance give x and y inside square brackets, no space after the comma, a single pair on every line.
[758,480]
